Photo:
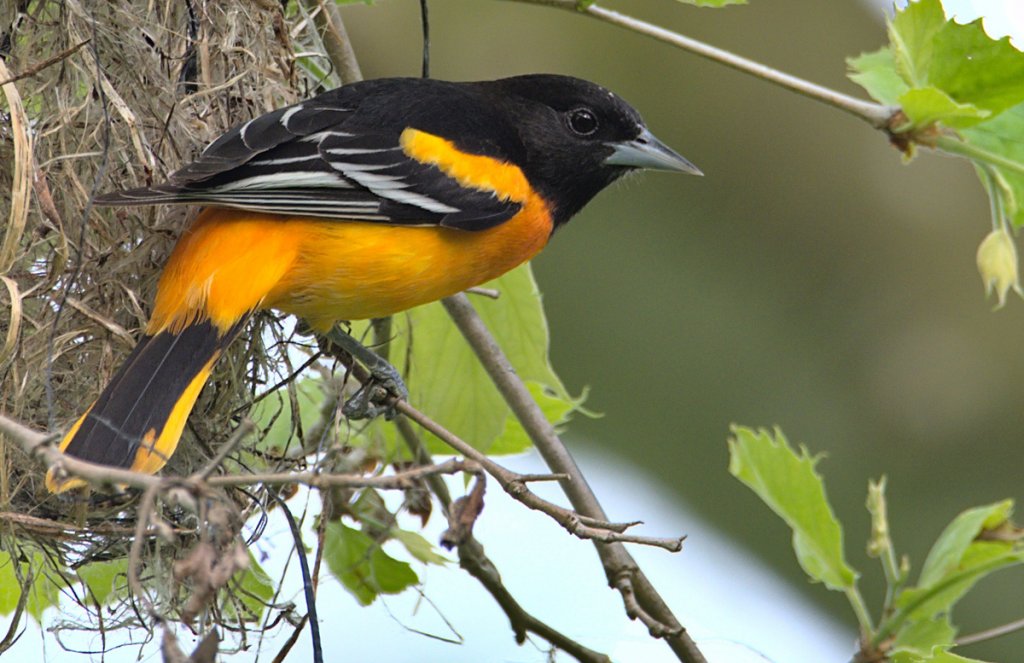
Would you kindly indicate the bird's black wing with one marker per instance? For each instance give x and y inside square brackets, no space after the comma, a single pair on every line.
[310,159]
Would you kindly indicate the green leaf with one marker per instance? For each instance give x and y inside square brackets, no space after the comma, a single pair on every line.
[947,553]
[100,578]
[713,3]
[446,380]
[1004,135]
[876,73]
[912,34]
[942,71]
[788,484]
[939,655]
[981,558]
[275,415]
[255,590]
[363,568]
[924,635]
[44,590]
[419,547]
[971,67]
[959,559]
[557,409]
[10,590]
[926,105]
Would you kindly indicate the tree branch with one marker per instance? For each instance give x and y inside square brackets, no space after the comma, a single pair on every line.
[335,39]
[478,565]
[584,526]
[475,561]
[398,481]
[874,114]
[40,446]
[620,567]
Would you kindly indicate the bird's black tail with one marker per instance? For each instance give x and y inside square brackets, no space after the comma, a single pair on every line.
[137,420]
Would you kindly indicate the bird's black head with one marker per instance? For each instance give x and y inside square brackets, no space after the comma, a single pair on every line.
[578,138]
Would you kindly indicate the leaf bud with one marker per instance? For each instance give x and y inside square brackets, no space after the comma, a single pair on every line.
[997,262]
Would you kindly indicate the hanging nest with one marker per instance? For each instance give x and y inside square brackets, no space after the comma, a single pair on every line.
[119,94]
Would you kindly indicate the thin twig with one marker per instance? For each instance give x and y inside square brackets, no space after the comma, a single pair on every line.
[657,628]
[475,561]
[307,583]
[143,516]
[41,446]
[991,633]
[39,66]
[478,565]
[490,293]
[244,429]
[620,567]
[293,637]
[513,484]
[397,481]
[335,39]
[549,476]
[55,529]
[12,635]
[286,381]
[425,21]
[876,115]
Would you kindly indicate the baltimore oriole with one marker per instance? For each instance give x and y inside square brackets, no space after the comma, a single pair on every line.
[359,203]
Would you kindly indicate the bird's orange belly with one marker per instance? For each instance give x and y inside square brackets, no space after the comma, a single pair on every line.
[230,262]
[355,270]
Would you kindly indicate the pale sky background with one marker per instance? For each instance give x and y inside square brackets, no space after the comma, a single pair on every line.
[735,607]
[1002,17]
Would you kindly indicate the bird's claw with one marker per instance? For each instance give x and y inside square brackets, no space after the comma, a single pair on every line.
[377,396]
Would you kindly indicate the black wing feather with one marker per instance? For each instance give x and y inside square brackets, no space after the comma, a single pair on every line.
[312,159]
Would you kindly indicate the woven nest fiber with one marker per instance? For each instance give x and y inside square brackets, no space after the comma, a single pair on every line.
[120,94]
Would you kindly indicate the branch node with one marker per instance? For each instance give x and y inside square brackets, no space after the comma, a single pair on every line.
[463,514]
[624,584]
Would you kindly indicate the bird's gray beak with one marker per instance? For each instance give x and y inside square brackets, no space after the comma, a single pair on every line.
[646,151]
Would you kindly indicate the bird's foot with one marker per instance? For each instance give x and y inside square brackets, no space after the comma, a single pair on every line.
[378,394]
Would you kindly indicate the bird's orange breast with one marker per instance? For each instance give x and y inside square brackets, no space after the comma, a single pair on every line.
[357,270]
[232,261]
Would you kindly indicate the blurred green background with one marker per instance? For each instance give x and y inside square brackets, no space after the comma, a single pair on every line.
[810,280]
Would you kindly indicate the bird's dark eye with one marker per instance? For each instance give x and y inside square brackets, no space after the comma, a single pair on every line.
[582,121]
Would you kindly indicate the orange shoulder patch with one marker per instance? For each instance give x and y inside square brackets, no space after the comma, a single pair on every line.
[506,180]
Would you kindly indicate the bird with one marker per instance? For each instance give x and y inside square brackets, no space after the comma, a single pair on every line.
[357,203]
